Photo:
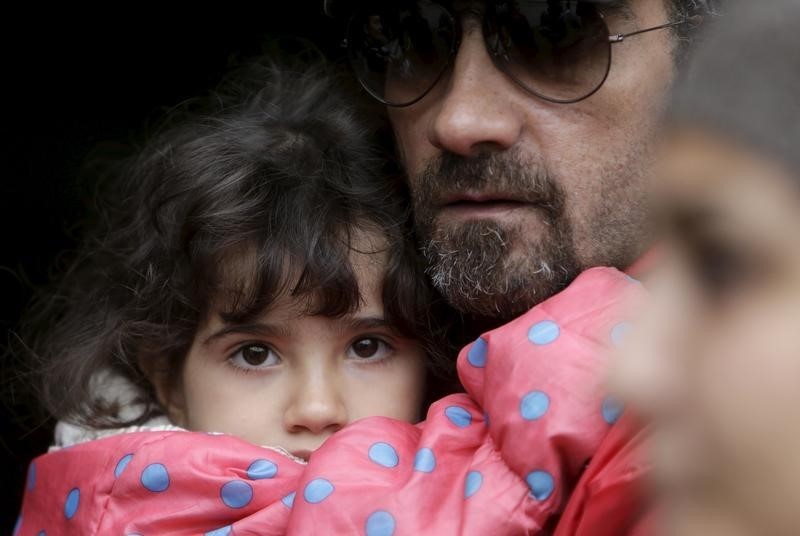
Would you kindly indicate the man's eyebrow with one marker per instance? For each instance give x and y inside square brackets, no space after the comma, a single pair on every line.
[621,8]
[257,329]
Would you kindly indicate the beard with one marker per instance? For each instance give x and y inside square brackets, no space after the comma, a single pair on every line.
[488,268]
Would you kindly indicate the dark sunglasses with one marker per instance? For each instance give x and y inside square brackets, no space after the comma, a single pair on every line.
[559,51]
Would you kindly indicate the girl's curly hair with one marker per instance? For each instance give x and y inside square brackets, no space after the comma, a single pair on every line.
[274,173]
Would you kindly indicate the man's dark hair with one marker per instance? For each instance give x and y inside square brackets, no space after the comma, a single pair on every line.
[256,191]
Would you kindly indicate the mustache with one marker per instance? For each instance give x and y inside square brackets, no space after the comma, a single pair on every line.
[502,174]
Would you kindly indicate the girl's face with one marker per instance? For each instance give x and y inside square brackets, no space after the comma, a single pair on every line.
[716,367]
[291,380]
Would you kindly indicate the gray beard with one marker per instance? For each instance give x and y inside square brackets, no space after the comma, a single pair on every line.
[473,267]
[484,268]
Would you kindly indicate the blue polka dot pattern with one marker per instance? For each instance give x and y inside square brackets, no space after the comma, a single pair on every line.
[612,410]
[223,531]
[155,478]
[619,332]
[317,490]
[458,416]
[476,356]
[545,332]
[384,454]
[122,464]
[472,484]
[288,501]
[17,526]
[42,533]
[534,405]
[541,484]
[261,469]
[32,476]
[425,460]
[72,502]
[380,523]
[236,494]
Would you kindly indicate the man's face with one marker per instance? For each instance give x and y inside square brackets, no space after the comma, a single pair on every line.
[513,195]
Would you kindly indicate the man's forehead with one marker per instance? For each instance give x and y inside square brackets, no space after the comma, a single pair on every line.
[339,7]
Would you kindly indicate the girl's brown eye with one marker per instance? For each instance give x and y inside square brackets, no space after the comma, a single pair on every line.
[366,348]
[255,355]
[370,350]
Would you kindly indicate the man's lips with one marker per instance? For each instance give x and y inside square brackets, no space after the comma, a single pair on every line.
[480,198]
[482,205]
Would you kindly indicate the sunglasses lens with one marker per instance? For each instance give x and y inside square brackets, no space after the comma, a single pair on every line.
[399,50]
[559,51]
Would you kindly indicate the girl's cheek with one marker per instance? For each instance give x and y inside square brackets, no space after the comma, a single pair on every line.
[394,389]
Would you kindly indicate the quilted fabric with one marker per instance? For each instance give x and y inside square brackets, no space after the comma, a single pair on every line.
[532,447]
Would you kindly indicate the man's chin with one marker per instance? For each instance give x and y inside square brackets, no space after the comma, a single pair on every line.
[513,217]
[503,292]
[498,268]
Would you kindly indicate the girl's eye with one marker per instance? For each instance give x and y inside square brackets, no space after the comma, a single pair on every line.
[369,348]
[255,356]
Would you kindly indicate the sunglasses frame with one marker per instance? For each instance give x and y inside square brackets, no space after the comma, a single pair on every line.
[694,20]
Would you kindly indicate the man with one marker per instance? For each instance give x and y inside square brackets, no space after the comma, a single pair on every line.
[514,194]
[527,151]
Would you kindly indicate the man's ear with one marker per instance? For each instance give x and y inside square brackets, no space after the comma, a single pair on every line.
[168,389]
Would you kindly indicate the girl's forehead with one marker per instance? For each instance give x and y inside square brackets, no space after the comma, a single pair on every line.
[290,318]
[243,295]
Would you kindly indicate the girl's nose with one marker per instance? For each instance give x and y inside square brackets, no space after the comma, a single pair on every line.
[317,405]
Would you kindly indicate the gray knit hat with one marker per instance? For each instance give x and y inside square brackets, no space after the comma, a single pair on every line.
[744,79]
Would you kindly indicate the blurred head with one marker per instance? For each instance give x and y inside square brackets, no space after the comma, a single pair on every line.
[716,367]
[253,273]
[514,194]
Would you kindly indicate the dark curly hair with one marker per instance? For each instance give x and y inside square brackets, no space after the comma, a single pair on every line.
[275,172]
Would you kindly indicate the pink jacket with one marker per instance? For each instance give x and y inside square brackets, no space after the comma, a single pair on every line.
[531,448]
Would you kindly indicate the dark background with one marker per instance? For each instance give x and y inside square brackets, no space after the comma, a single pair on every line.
[75,79]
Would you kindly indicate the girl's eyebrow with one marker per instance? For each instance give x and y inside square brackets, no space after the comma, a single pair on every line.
[352,323]
[259,329]
[346,324]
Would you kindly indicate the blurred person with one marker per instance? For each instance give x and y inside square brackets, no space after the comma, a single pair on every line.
[716,366]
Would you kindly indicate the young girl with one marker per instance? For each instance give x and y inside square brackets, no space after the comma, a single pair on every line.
[255,280]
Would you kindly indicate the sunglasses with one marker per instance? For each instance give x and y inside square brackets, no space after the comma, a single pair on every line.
[559,51]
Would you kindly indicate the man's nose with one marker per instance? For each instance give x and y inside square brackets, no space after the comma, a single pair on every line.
[316,405]
[477,111]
